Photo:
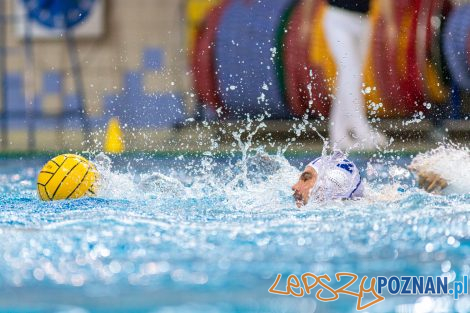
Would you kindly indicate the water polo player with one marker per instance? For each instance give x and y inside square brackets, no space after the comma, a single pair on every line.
[335,177]
[327,178]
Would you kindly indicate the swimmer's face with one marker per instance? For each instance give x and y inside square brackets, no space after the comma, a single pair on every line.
[304,185]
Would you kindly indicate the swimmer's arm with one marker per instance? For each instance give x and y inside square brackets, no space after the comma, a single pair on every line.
[430,181]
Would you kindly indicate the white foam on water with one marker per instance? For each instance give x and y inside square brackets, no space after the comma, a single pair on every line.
[256,181]
[132,186]
[259,181]
[451,162]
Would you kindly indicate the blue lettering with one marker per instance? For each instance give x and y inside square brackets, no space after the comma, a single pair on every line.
[391,289]
[465,284]
[430,288]
[458,288]
[441,285]
[418,285]
[406,280]
[381,282]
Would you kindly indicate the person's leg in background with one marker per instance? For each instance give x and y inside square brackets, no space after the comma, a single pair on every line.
[341,44]
[347,35]
[370,137]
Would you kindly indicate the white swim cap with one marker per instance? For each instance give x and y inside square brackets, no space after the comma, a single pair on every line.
[338,178]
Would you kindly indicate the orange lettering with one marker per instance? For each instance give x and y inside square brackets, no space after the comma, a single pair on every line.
[305,282]
[296,284]
[352,281]
[335,297]
[293,282]
[272,289]
[363,290]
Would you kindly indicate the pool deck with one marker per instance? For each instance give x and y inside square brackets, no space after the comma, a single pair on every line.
[199,137]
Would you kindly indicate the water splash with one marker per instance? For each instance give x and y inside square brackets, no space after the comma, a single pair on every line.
[256,180]
[451,162]
[222,222]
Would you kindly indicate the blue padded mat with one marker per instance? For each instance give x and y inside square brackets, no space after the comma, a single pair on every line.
[456,36]
[244,57]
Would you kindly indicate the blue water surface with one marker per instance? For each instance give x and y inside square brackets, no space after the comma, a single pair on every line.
[214,236]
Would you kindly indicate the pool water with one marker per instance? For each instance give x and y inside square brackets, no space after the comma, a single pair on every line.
[210,234]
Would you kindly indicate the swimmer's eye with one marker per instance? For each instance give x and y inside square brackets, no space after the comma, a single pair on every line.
[306,176]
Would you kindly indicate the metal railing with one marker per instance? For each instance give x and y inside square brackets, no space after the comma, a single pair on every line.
[31,114]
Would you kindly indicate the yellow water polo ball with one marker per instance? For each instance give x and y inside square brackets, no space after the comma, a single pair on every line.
[67,176]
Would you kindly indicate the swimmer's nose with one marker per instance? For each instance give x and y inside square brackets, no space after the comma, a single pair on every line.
[297,194]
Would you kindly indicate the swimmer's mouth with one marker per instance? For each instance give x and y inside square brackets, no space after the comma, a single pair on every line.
[298,198]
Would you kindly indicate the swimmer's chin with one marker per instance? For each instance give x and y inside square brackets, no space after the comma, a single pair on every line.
[299,203]
[299,200]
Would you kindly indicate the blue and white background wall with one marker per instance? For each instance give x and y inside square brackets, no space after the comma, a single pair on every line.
[132,60]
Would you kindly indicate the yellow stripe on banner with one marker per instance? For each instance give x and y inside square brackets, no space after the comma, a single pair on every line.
[437,91]
[403,42]
[196,12]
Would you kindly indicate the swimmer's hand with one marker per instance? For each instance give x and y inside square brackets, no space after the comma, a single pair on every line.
[429,181]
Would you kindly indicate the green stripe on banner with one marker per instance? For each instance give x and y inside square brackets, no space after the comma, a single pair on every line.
[279,60]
